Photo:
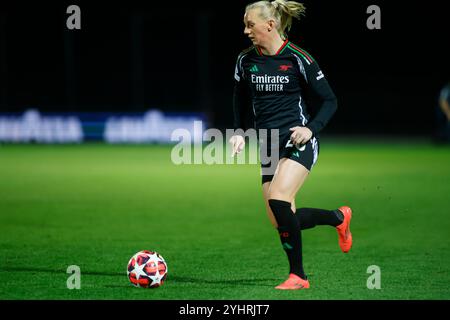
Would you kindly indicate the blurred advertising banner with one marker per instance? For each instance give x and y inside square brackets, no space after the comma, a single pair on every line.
[152,126]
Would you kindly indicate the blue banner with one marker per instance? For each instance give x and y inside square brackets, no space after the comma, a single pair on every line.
[152,126]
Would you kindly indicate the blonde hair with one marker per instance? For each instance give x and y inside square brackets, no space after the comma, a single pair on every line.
[281,11]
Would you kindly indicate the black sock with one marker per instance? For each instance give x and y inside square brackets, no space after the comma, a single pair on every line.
[311,217]
[290,235]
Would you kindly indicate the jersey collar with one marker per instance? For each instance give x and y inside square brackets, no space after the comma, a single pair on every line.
[260,53]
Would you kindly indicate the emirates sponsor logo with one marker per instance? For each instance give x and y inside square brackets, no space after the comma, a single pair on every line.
[269,83]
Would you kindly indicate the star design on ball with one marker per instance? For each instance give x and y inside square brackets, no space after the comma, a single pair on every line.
[158,276]
[139,270]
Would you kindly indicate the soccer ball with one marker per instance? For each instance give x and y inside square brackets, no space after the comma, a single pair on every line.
[147,269]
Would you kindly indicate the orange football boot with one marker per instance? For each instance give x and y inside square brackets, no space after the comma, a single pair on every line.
[343,230]
[294,282]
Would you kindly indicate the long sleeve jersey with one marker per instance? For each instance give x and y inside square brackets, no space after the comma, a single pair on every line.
[277,87]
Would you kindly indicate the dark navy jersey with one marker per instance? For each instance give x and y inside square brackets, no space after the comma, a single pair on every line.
[277,87]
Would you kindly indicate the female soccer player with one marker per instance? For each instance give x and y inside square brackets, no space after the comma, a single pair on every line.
[280,77]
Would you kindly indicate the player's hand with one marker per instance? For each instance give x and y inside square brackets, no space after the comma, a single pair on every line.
[300,135]
[237,144]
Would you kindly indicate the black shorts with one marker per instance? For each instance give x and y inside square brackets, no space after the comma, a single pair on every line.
[306,154]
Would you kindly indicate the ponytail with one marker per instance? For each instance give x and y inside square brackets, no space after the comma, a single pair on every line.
[287,10]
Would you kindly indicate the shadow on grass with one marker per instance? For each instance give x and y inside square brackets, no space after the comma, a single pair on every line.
[261,282]
[266,282]
[48,270]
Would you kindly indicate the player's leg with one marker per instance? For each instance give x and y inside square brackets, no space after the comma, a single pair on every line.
[307,155]
[265,189]
[311,217]
[288,179]
[268,171]
[339,218]
[308,218]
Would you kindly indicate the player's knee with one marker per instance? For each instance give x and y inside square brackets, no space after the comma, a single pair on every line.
[279,195]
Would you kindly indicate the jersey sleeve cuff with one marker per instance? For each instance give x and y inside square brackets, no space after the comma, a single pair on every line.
[313,129]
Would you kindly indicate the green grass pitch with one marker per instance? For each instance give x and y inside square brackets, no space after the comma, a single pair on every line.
[94,206]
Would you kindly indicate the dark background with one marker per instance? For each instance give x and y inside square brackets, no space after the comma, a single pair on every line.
[133,56]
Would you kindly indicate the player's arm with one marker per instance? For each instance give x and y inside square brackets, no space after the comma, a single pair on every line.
[241,96]
[318,85]
[241,101]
